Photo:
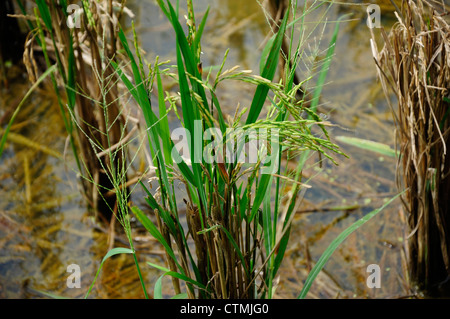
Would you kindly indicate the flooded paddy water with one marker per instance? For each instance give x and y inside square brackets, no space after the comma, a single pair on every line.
[45,226]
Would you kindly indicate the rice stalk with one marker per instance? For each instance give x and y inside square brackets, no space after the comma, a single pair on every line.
[414,66]
[83,56]
[232,241]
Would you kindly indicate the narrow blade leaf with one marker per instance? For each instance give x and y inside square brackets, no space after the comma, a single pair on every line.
[336,242]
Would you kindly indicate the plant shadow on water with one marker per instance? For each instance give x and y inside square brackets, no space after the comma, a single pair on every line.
[44,225]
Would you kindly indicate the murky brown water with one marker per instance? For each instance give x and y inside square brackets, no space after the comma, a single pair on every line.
[44,225]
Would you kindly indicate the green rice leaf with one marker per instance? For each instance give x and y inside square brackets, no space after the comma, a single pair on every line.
[112,252]
[185,278]
[368,145]
[48,294]
[70,86]
[266,180]
[184,169]
[265,53]
[243,203]
[45,14]
[280,251]
[326,66]
[189,58]
[140,91]
[154,231]
[157,293]
[190,115]
[267,220]
[268,73]
[130,86]
[63,4]
[201,27]
[335,244]
[164,122]
[151,120]
[16,111]
[223,126]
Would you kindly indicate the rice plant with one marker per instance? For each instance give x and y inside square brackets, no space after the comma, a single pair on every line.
[414,66]
[230,238]
[89,97]
[227,236]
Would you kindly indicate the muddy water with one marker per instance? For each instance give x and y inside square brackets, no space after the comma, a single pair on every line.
[44,225]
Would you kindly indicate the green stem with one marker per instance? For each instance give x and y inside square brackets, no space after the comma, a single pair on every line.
[140,275]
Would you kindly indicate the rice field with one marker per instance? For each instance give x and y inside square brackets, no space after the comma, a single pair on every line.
[95,170]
